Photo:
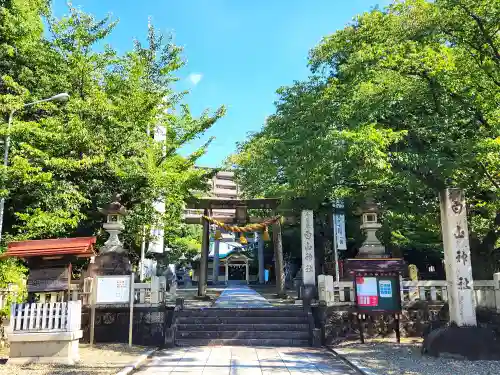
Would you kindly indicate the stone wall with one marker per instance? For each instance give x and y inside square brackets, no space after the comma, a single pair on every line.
[338,323]
[150,325]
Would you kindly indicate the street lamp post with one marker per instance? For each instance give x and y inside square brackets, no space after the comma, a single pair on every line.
[56,98]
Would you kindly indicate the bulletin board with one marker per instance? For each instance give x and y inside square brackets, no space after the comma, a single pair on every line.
[377,289]
[377,294]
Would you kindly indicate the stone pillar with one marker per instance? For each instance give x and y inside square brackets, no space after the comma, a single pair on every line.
[260,252]
[308,267]
[205,243]
[496,279]
[215,263]
[457,258]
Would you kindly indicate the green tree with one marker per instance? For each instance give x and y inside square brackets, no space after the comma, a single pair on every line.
[401,104]
[66,161]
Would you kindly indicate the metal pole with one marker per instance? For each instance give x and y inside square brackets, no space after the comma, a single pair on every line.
[143,243]
[131,311]
[335,250]
[143,254]
[5,165]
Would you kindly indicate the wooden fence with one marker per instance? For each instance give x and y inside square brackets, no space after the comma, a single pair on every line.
[46,317]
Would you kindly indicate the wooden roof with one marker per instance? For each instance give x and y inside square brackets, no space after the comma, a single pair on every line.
[80,247]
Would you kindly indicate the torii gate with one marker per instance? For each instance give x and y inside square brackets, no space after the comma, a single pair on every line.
[241,207]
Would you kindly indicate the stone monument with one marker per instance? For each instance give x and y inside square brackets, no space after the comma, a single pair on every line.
[457,258]
[462,338]
[308,266]
[112,258]
[371,247]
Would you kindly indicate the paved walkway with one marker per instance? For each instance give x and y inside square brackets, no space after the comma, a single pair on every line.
[241,297]
[242,360]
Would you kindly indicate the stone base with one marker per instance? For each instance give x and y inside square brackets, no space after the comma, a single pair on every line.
[47,347]
[472,343]
[111,263]
[308,295]
[372,253]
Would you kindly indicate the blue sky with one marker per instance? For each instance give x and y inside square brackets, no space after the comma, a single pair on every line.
[238,51]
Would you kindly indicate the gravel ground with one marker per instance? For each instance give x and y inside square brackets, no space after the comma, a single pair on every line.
[390,358]
[102,359]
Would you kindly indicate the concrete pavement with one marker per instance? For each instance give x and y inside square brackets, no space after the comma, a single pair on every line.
[241,297]
[243,360]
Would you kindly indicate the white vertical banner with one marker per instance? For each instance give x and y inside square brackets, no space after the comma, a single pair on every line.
[156,245]
[307,234]
[339,225]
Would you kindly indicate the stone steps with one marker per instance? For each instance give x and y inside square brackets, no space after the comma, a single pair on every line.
[239,326]
[245,312]
[238,320]
[242,342]
[245,327]
[289,335]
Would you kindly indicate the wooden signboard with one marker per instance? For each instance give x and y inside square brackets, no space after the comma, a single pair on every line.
[49,279]
[377,288]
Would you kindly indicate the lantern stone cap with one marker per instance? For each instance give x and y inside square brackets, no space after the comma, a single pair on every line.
[114,208]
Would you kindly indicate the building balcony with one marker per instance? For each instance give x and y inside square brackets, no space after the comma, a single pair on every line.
[233,194]
[224,176]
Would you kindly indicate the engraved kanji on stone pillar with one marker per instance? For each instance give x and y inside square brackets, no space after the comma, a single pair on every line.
[307,231]
[457,258]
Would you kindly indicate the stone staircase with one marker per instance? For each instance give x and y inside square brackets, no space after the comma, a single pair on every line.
[277,326]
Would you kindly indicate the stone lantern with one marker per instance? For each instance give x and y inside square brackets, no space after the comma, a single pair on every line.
[112,258]
[371,247]
[114,213]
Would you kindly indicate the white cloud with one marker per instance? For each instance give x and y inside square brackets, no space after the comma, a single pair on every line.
[195,78]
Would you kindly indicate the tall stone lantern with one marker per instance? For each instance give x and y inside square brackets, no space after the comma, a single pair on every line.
[371,247]
[112,258]
[114,213]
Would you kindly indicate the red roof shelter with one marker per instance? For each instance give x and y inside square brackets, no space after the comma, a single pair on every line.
[81,247]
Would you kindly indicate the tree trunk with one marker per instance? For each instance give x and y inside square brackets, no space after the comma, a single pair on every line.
[278,257]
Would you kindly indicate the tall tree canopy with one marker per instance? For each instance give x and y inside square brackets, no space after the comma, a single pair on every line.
[67,160]
[401,103]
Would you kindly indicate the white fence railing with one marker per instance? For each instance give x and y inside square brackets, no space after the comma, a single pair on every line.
[487,292]
[146,294]
[46,317]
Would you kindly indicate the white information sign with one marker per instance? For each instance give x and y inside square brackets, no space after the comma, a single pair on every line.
[113,289]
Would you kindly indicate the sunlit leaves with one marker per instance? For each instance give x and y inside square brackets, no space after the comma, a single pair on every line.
[403,102]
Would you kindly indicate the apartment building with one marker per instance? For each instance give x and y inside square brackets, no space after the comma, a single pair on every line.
[221,186]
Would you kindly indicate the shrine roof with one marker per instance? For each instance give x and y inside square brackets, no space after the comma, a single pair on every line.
[80,247]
